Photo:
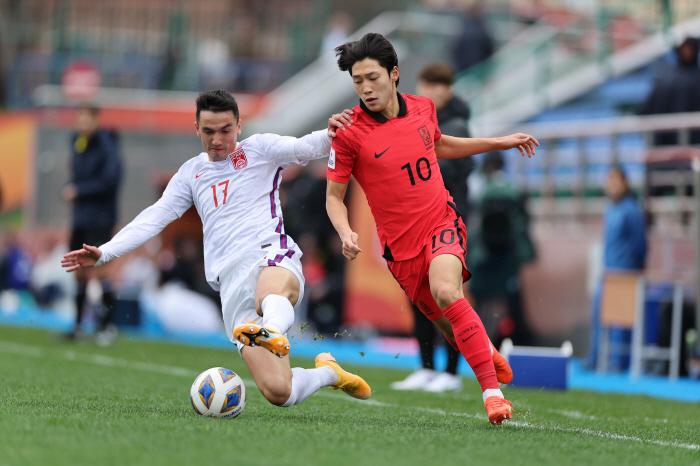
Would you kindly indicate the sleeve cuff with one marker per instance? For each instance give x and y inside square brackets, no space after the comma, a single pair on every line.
[338,178]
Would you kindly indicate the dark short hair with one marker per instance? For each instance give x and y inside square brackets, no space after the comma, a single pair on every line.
[437,73]
[372,45]
[217,101]
[92,109]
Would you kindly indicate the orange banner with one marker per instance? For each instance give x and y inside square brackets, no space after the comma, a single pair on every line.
[17,140]
[372,296]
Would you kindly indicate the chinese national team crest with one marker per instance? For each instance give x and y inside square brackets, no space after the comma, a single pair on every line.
[425,134]
[238,159]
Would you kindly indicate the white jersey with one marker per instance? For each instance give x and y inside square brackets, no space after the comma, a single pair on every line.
[237,200]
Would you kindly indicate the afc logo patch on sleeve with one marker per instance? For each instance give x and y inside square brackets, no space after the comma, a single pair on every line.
[331,160]
[238,159]
[425,135]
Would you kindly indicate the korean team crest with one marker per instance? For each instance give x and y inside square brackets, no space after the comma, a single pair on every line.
[425,134]
[238,159]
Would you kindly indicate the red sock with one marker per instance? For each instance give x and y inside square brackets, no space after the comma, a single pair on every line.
[472,341]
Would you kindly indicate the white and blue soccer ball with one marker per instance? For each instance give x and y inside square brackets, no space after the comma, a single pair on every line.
[218,392]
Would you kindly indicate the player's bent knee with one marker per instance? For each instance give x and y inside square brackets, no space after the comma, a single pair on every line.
[445,294]
[276,393]
[291,294]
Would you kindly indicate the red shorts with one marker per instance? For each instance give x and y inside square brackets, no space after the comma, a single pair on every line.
[448,237]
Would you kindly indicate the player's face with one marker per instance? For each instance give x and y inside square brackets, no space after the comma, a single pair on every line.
[375,86]
[439,93]
[219,132]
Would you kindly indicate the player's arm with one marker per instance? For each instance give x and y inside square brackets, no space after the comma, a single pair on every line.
[318,144]
[338,213]
[145,226]
[286,150]
[448,147]
[176,199]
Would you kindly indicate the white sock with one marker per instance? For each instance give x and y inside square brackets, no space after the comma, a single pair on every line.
[493,392]
[306,382]
[278,313]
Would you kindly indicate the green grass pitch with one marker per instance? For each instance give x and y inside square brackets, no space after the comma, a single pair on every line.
[70,404]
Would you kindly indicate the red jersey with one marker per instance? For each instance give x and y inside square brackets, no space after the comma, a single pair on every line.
[395,163]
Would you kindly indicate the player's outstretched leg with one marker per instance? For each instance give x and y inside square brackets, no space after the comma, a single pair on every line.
[251,334]
[352,384]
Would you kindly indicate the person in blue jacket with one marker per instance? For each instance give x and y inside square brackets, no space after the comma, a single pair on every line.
[624,249]
[92,191]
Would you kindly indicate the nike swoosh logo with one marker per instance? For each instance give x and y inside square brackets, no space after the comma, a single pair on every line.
[376,156]
[468,337]
[434,250]
[201,173]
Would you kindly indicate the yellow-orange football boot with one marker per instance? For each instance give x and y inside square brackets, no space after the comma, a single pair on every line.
[352,384]
[504,373]
[251,334]
[498,409]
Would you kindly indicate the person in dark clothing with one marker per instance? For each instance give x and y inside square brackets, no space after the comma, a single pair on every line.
[92,191]
[498,251]
[677,90]
[474,44]
[435,82]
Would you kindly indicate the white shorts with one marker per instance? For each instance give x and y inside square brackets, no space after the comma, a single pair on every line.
[240,280]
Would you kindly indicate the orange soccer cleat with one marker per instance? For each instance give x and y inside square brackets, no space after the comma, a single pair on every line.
[352,384]
[504,373]
[252,334]
[498,409]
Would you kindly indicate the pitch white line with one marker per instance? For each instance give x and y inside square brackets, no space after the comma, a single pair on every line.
[596,433]
[34,351]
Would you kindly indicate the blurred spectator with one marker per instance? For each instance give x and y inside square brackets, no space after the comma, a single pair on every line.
[186,266]
[677,90]
[15,264]
[474,44]
[337,31]
[435,82]
[624,249]
[52,287]
[498,250]
[92,190]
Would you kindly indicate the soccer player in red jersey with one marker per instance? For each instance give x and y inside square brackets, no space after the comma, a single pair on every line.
[391,149]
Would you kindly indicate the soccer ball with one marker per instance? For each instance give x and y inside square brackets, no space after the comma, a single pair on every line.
[218,392]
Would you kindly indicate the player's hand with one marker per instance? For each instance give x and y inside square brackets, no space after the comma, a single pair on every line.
[339,121]
[350,246]
[81,258]
[524,142]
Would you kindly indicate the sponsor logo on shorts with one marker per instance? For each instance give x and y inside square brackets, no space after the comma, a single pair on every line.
[424,308]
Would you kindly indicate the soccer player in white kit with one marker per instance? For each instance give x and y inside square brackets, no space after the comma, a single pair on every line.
[248,258]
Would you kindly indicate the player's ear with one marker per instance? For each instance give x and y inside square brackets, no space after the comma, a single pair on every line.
[196,127]
[238,132]
[394,74]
